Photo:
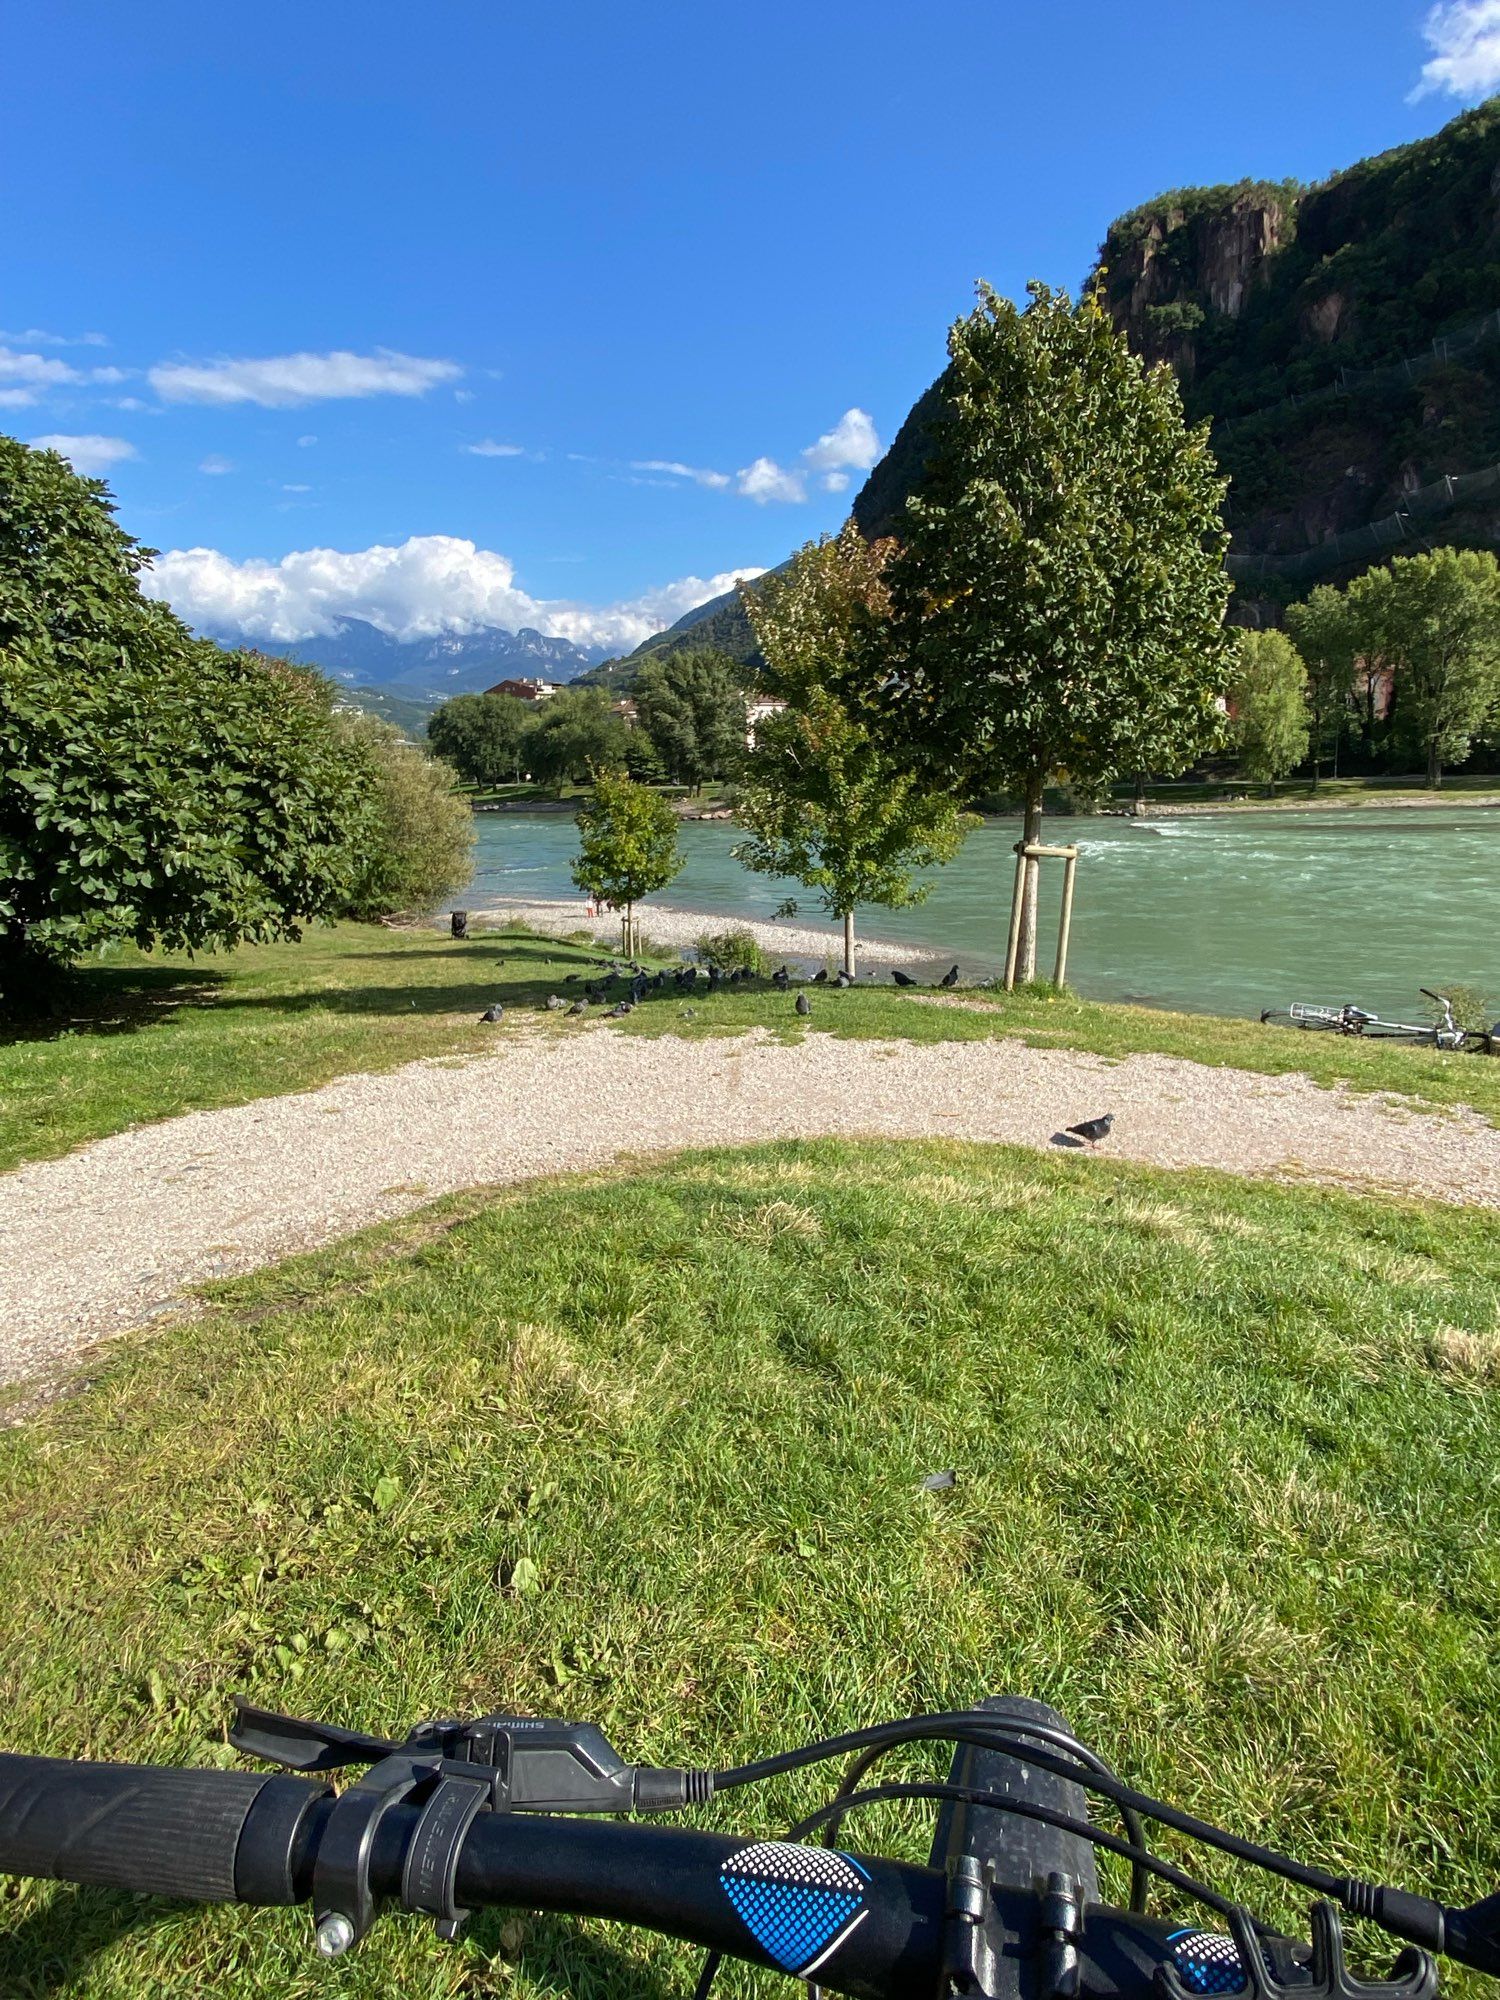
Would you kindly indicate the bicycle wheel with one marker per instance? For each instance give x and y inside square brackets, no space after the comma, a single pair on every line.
[1299,1017]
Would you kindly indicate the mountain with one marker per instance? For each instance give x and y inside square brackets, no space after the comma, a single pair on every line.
[718,626]
[359,654]
[1342,339]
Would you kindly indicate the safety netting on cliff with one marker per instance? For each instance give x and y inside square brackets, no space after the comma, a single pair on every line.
[1440,497]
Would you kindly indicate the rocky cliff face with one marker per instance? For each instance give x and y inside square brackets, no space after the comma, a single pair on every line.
[1171,266]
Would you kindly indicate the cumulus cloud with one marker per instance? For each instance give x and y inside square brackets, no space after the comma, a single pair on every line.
[851,442]
[428,585]
[1464,36]
[26,377]
[90,454]
[216,465]
[763,481]
[487,448]
[281,381]
[701,475]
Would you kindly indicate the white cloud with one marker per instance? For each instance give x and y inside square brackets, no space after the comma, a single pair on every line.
[430,584]
[26,377]
[296,489]
[282,381]
[487,448]
[851,442]
[701,475]
[835,482]
[36,336]
[1464,36]
[309,437]
[216,465]
[763,480]
[90,454]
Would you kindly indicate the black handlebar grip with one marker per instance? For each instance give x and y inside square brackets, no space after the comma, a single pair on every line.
[161,1832]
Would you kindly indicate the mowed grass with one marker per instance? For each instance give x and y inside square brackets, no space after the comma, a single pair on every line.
[648,1449]
[150,1037]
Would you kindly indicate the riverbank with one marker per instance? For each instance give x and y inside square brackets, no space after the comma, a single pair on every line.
[675,929]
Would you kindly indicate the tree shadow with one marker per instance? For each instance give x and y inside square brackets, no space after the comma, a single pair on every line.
[110,1000]
[573,1956]
[51,1948]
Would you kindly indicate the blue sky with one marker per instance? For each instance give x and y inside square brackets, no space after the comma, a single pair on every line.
[406,312]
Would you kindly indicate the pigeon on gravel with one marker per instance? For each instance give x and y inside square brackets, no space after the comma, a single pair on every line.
[493,1013]
[804,1005]
[902,978]
[1092,1130]
[950,977]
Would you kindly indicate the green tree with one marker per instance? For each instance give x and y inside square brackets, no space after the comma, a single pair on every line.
[822,801]
[1268,703]
[483,736]
[1328,639]
[152,787]
[627,846]
[576,732]
[692,707]
[1059,594]
[1436,621]
[418,843]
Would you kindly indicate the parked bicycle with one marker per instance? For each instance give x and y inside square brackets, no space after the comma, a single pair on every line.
[458,1816]
[1446,1032]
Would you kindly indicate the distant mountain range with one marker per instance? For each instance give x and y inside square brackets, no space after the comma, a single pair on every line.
[430,670]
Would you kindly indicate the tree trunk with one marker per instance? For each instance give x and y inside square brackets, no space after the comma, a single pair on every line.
[1031,833]
[1434,766]
[849,943]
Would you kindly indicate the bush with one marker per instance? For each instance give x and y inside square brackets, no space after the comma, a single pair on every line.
[417,845]
[731,949]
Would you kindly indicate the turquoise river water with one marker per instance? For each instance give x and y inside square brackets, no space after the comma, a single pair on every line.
[1221,913]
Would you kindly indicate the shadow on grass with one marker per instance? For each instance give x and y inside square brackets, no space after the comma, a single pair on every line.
[48,1950]
[104,1000]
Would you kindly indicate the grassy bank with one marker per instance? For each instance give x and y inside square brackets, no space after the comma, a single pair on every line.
[149,1038]
[1243,794]
[648,1450]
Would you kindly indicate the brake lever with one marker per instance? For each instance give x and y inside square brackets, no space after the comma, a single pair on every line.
[298,1745]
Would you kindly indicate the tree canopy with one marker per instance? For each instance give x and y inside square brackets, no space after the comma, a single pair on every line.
[822,802]
[627,844]
[692,707]
[1058,597]
[152,787]
[1268,702]
[575,732]
[483,736]
[418,842]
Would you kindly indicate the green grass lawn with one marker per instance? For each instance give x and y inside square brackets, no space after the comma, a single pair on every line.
[1226,1495]
[150,1037]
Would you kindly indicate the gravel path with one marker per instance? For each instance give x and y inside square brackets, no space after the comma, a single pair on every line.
[114,1233]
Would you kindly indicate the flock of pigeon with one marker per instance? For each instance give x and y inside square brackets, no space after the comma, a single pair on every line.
[625,986]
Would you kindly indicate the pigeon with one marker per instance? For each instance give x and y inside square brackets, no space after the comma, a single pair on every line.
[781,978]
[804,1005]
[846,980]
[493,1013]
[638,987]
[902,978]
[689,1013]
[579,1007]
[555,1003]
[620,1009]
[1092,1130]
[571,979]
[950,977]
[715,979]
[596,999]
[821,978]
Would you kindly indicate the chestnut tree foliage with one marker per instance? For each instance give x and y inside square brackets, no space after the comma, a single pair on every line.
[152,787]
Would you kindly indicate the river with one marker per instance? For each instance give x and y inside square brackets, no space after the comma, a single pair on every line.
[1221,913]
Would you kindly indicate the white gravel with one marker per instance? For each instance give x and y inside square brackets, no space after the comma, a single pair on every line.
[117,1232]
[679,929]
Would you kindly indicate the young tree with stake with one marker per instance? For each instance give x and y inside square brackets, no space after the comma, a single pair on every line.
[1058,596]
[822,801]
[628,847]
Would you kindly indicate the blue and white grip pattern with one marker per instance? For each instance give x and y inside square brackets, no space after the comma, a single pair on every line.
[798,1903]
[1208,1962]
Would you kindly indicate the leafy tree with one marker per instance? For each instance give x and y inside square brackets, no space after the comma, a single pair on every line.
[483,736]
[576,732]
[1435,618]
[692,707]
[628,846]
[1059,594]
[1328,639]
[822,801]
[152,787]
[419,843]
[1268,701]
